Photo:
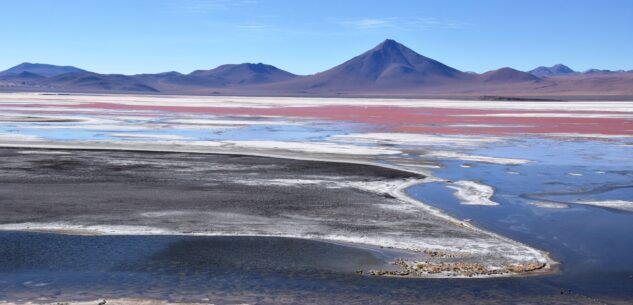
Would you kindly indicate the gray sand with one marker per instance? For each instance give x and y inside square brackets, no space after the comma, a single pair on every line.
[178,193]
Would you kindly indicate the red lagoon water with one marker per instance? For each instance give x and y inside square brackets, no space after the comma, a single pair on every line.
[412,119]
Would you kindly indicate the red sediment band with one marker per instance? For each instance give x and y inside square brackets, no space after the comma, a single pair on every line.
[413,119]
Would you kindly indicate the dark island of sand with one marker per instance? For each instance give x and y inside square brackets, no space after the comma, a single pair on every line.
[154,193]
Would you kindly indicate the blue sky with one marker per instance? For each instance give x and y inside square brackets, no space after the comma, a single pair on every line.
[134,36]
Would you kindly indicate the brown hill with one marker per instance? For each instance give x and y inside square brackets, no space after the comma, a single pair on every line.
[507,75]
[245,74]
[91,82]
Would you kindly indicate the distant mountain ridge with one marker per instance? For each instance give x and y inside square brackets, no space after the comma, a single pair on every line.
[562,70]
[98,82]
[388,69]
[246,73]
[44,70]
[554,70]
[223,76]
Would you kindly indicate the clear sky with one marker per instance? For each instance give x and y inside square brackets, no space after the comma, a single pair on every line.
[304,37]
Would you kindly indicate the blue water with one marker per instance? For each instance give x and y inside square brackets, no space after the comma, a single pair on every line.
[557,151]
[309,131]
[235,270]
[593,244]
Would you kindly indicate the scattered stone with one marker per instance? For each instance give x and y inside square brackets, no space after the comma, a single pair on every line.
[445,254]
[389,272]
[452,268]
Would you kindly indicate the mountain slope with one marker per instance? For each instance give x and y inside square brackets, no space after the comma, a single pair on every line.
[175,81]
[230,75]
[22,76]
[88,81]
[388,66]
[391,63]
[45,70]
[245,74]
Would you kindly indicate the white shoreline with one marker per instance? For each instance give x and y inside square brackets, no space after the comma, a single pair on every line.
[400,193]
[549,205]
[621,205]
[441,154]
[44,98]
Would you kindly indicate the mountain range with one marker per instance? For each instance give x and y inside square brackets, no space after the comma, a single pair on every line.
[390,69]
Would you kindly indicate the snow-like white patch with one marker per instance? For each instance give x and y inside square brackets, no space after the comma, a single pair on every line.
[549,205]
[120,127]
[18,137]
[211,128]
[378,187]
[34,284]
[589,135]
[316,147]
[417,139]
[622,205]
[575,174]
[86,229]
[489,126]
[52,108]
[52,119]
[148,136]
[553,115]
[229,122]
[460,156]
[187,143]
[280,182]
[233,101]
[473,193]
[159,214]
